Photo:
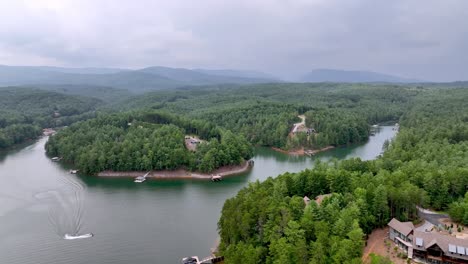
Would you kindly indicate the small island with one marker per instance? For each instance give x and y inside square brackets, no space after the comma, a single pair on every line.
[166,145]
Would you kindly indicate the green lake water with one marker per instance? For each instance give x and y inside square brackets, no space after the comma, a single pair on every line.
[151,222]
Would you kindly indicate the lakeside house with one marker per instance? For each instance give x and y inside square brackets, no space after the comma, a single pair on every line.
[428,247]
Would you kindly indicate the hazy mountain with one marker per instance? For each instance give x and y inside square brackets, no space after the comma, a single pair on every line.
[152,78]
[90,70]
[236,73]
[330,75]
[199,76]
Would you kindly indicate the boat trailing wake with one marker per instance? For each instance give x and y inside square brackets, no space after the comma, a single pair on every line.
[65,208]
[73,237]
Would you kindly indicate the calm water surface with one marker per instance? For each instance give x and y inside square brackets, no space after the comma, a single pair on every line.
[152,222]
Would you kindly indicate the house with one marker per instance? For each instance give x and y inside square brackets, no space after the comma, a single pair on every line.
[400,231]
[428,247]
[319,198]
[438,248]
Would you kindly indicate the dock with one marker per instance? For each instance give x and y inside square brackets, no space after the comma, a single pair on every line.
[141,179]
[216,178]
[207,260]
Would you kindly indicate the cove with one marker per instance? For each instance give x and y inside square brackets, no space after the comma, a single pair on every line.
[152,222]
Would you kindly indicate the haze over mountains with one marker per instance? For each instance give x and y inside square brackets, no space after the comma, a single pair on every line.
[151,78]
[158,77]
[330,75]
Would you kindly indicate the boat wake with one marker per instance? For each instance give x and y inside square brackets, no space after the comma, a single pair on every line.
[65,208]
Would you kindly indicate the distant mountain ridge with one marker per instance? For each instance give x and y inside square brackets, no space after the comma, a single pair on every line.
[159,77]
[331,75]
[147,79]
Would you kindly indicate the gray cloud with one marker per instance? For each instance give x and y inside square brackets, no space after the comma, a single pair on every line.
[419,39]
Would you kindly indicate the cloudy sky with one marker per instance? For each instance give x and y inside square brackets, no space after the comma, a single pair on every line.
[425,39]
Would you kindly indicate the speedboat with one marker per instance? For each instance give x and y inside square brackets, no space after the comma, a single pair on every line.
[72,237]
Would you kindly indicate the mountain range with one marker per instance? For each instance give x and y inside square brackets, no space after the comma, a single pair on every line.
[151,78]
[159,78]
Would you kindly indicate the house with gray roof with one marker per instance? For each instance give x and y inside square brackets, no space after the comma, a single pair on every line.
[428,247]
[400,232]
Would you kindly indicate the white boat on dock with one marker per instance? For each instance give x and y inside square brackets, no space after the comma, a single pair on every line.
[207,260]
[56,159]
[216,177]
[141,179]
[74,171]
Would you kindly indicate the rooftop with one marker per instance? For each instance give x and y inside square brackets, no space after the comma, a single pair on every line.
[403,227]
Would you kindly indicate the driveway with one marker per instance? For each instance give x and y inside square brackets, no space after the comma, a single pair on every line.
[430,216]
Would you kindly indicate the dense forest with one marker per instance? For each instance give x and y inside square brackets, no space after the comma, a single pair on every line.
[25,111]
[426,164]
[265,113]
[148,140]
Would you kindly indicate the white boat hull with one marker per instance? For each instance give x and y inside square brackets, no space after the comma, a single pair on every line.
[73,237]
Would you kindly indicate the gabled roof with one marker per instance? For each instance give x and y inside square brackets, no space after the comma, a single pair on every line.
[446,242]
[452,246]
[403,227]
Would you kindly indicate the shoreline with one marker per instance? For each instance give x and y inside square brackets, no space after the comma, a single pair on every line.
[181,173]
[302,152]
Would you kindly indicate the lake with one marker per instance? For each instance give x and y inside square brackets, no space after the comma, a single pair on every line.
[150,222]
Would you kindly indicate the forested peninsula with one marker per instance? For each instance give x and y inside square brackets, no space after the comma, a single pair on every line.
[145,141]
[425,165]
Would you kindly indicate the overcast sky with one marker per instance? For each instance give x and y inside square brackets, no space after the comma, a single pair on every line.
[425,39]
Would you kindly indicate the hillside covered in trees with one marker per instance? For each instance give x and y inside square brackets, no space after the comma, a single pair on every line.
[151,140]
[426,165]
[265,113]
[25,111]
